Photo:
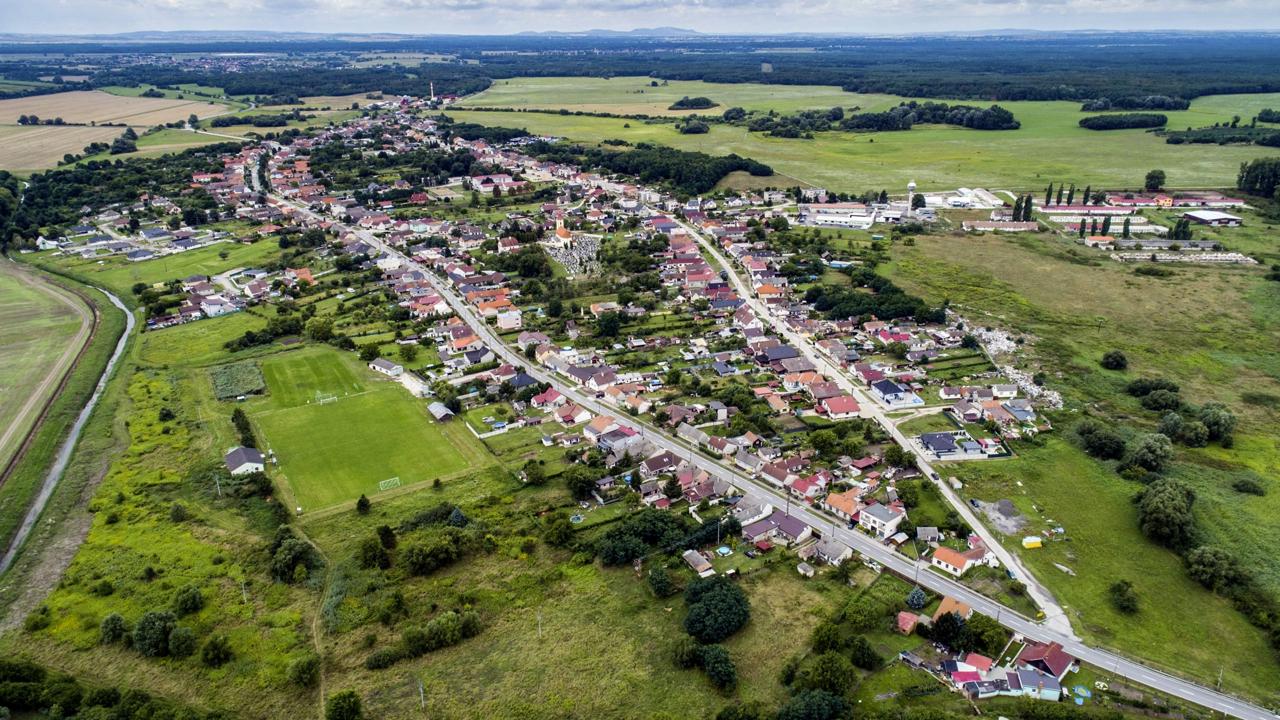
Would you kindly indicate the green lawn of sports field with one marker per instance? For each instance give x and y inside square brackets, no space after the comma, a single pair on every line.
[373,430]
[1050,146]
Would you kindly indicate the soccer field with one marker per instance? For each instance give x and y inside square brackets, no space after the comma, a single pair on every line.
[332,452]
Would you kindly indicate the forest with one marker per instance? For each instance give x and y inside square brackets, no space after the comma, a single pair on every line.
[1127,71]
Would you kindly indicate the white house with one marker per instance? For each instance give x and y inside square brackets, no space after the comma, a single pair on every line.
[881,520]
[386,367]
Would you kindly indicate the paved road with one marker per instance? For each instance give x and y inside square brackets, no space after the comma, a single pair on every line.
[872,408]
[870,548]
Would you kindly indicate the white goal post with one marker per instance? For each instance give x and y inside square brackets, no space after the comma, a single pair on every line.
[389,483]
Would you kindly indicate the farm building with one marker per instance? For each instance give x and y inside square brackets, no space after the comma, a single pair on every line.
[244,460]
[1212,218]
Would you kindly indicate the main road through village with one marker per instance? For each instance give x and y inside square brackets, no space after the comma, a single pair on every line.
[1054,628]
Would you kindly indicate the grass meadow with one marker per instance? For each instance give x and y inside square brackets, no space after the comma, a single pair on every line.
[1049,146]
[331,453]
[201,342]
[214,548]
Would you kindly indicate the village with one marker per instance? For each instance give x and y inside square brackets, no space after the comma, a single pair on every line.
[727,391]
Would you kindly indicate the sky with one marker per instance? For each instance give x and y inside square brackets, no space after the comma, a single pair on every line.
[711,16]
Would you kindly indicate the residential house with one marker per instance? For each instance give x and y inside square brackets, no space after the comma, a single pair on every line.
[881,520]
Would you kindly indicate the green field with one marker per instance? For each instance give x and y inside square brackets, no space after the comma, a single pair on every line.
[200,342]
[35,329]
[1049,146]
[634,96]
[1093,505]
[332,453]
[118,274]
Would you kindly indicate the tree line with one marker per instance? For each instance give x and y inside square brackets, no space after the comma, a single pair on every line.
[1124,121]
[691,173]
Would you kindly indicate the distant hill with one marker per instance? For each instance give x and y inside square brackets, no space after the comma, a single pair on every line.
[637,32]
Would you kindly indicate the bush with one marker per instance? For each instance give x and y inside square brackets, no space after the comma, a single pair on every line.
[1146,386]
[1115,360]
[686,652]
[425,558]
[178,512]
[1249,486]
[1122,596]
[826,636]
[383,658]
[1153,452]
[182,642]
[1162,400]
[813,705]
[1164,513]
[362,505]
[151,635]
[660,582]
[188,600]
[863,655]
[304,671]
[343,706]
[372,554]
[1100,442]
[216,651]
[717,609]
[718,666]
[1194,434]
[1215,568]
[1220,421]
[831,672]
[113,628]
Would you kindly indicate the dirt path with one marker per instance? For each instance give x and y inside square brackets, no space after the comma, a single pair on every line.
[43,394]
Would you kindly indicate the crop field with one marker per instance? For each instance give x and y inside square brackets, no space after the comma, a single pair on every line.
[634,96]
[39,329]
[24,148]
[1049,146]
[186,91]
[89,106]
[333,452]
[1221,351]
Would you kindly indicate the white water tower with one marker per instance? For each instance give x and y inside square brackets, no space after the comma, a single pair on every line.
[911,196]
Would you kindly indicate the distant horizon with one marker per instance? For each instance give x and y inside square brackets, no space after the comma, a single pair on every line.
[708,17]
[670,32]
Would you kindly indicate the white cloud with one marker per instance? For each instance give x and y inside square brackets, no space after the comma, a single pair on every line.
[728,16]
